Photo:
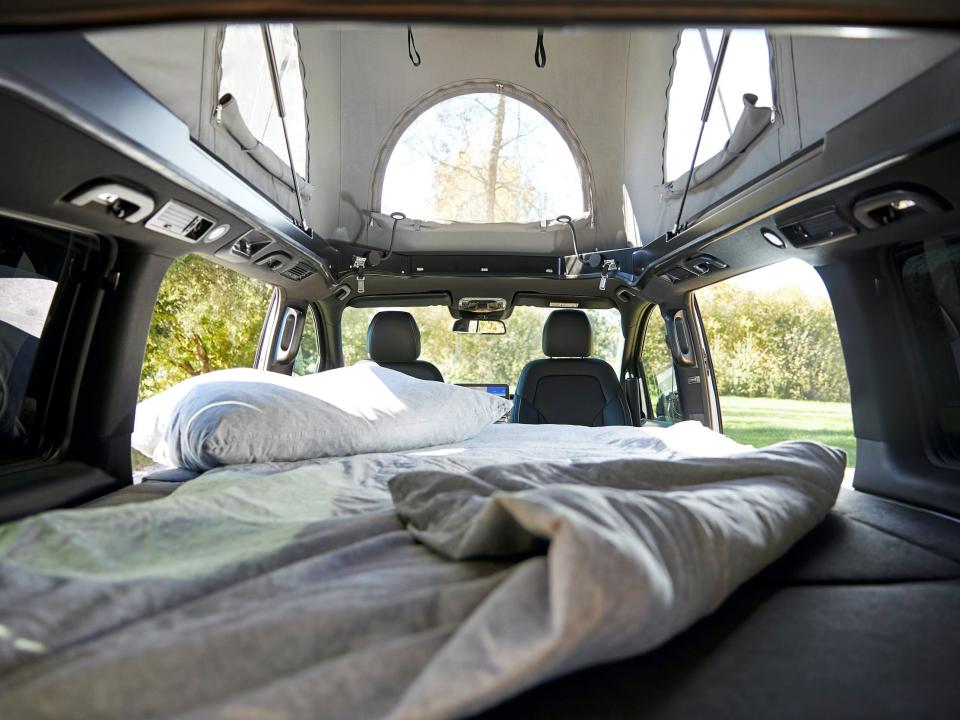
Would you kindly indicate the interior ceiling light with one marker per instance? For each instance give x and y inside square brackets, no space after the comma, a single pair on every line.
[771,237]
[218,232]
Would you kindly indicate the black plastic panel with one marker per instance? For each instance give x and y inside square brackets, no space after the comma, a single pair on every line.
[821,227]
[483,264]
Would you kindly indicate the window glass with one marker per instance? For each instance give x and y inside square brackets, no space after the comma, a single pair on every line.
[206,318]
[746,69]
[482,358]
[245,74]
[32,260]
[777,358]
[482,157]
[659,374]
[307,361]
[931,284]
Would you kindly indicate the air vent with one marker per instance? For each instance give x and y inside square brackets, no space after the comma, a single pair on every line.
[298,272]
[180,221]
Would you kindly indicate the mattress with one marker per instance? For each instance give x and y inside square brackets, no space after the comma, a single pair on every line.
[430,583]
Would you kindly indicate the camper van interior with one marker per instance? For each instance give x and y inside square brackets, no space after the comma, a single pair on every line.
[441,360]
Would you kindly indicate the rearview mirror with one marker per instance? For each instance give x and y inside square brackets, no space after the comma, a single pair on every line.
[480,327]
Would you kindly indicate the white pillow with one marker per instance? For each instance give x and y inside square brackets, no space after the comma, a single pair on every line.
[232,417]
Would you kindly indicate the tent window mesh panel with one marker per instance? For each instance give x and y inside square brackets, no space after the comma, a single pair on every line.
[245,75]
[746,71]
[482,157]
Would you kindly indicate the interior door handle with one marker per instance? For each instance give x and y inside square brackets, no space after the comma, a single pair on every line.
[681,344]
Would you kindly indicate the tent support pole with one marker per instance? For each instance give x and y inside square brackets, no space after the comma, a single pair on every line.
[704,116]
[281,110]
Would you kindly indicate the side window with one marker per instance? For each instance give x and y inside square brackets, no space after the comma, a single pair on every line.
[307,361]
[746,70]
[931,285]
[206,318]
[245,75]
[33,264]
[777,359]
[659,375]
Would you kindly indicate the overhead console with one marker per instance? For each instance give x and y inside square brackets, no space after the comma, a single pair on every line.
[268,254]
[132,170]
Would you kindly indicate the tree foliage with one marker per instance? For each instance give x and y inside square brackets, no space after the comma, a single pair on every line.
[781,344]
[206,318]
[777,345]
[485,157]
[479,181]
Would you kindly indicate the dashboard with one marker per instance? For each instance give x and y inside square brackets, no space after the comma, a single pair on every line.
[498,389]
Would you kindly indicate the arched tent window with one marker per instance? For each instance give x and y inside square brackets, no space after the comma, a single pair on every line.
[483,153]
[245,76]
[746,71]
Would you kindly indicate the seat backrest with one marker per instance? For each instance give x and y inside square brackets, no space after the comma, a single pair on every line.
[393,341]
[569,388]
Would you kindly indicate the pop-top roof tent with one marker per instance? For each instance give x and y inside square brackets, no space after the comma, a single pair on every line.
[626,103]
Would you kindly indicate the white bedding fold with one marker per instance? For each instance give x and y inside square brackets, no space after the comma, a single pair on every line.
[243,595]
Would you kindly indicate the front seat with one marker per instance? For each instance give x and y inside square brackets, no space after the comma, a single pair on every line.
[569,388]
[393,341]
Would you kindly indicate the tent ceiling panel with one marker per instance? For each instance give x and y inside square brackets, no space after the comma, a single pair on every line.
[609,86]
[166,61]
[583,79]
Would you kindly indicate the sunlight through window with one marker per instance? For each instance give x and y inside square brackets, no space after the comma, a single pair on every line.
[246,75]
[746,69]
[482,157]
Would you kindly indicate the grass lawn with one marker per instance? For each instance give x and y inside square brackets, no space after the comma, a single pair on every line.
[762,421]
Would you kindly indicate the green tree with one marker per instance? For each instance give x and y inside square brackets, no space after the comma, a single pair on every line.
[206,318]
[781,344]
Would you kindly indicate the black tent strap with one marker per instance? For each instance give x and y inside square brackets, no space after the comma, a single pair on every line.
[540,53]
[412,48]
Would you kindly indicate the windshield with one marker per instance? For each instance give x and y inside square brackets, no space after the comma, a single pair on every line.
[479,359]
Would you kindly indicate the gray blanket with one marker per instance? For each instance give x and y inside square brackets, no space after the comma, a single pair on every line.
[250,598]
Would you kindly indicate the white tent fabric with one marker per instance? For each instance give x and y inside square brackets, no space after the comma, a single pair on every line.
[753,121]
[550,237]
[179,66]
[820,80]
[609,86]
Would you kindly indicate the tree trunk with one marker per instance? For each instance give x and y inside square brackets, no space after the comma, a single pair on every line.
[494,161]
[202,354]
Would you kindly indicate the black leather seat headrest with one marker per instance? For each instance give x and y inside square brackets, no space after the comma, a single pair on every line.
[566,334]
[393,337]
